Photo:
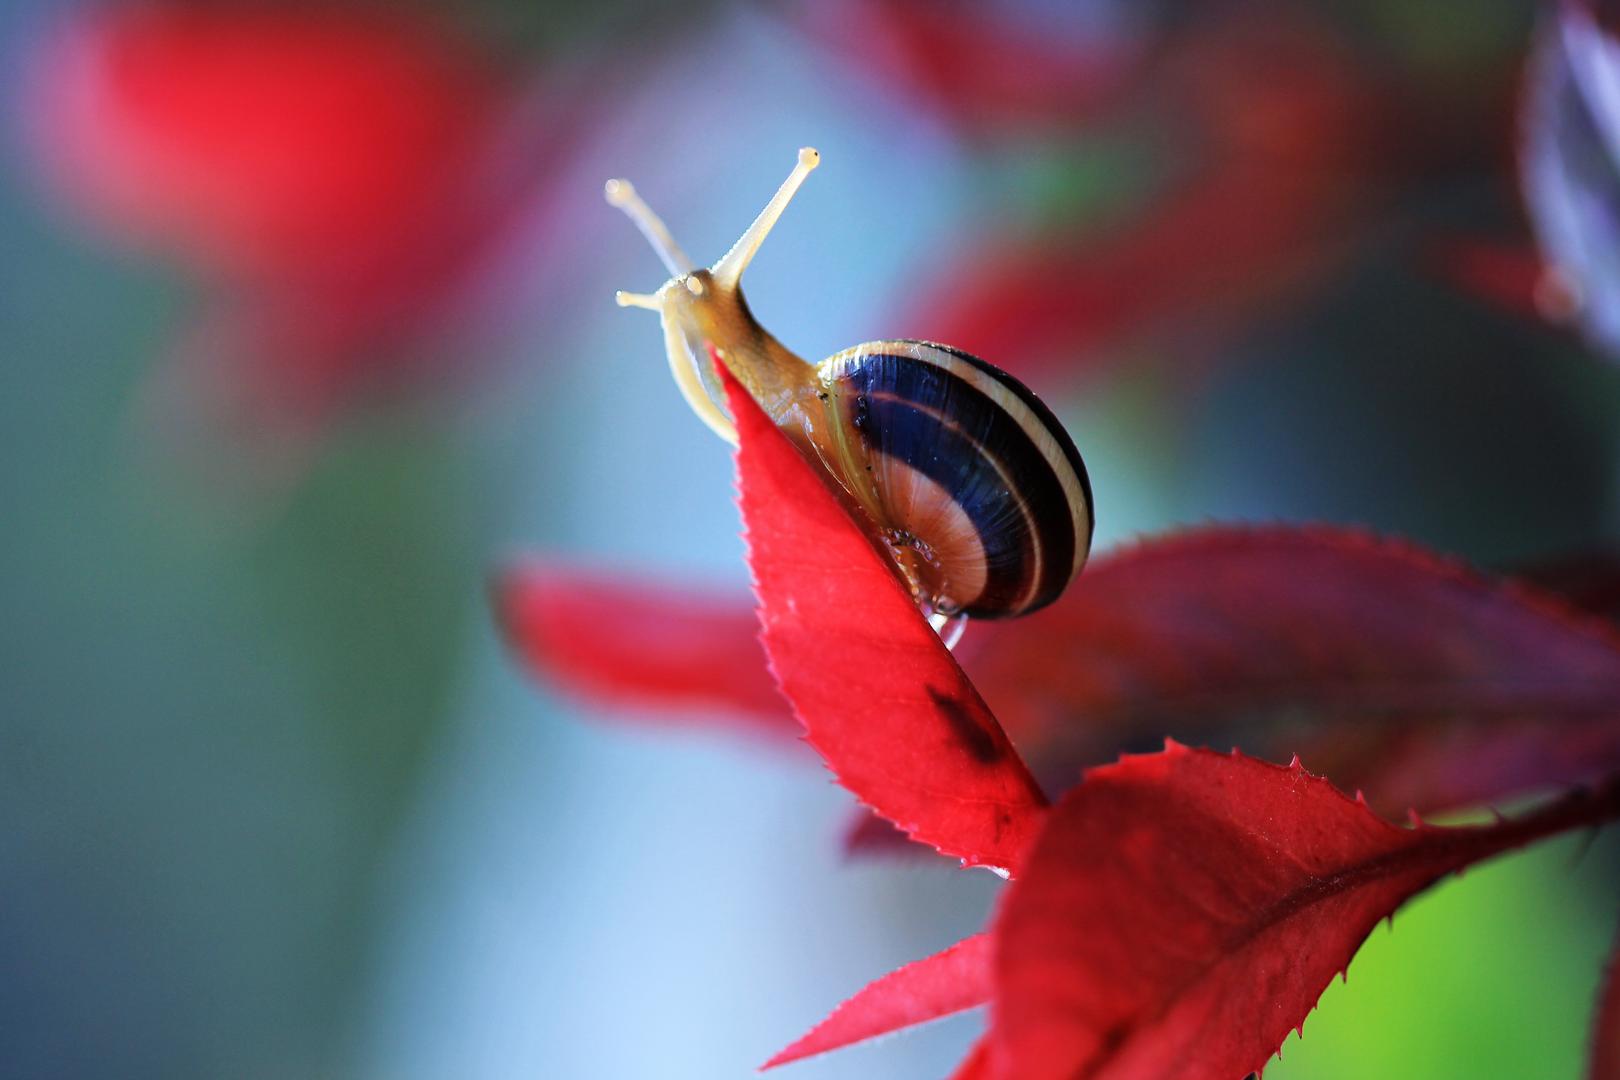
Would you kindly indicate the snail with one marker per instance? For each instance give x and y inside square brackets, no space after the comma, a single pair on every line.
[967,479]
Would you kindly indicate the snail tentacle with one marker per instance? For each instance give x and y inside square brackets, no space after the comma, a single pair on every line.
[622,193]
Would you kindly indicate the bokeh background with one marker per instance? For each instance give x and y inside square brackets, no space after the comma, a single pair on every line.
[306,323]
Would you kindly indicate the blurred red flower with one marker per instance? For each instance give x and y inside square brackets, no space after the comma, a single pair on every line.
[338,176]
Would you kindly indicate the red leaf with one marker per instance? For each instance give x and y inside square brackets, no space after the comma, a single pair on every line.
[991,70]
[868,834]
[635,643]
[945,983]
[880,697]
[1589,579]
[1398,671]
[1276,200]
[1605,1064]
[1395,670]
[1183,911]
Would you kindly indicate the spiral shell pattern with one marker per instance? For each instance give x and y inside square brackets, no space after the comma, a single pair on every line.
[962,463]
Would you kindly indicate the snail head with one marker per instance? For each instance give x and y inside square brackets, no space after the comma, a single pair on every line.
[725,276]
[704,308]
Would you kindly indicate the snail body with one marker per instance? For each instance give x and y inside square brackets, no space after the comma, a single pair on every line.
[967,479]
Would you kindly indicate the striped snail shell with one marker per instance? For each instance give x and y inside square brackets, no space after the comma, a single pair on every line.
[967,468]
[969,481]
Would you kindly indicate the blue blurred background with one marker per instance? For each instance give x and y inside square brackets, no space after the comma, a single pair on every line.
[274,800]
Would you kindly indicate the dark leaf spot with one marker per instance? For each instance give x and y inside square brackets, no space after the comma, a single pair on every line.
[980,743]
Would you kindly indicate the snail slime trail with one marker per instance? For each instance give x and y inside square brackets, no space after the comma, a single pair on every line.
[966,478]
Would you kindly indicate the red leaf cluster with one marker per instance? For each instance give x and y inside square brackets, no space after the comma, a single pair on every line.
[640,643]
[1178,913]
[1426,683]
[987,70]
[1261,186]
[1391,669]
[1278,152]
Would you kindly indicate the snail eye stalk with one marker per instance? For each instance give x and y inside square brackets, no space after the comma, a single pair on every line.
[640,300]
[622,193]
[729,270]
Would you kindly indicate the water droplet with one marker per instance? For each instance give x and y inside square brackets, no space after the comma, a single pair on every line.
[949,627]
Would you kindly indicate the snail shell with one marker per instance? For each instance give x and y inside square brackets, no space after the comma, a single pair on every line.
[955,466]
[962,464]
